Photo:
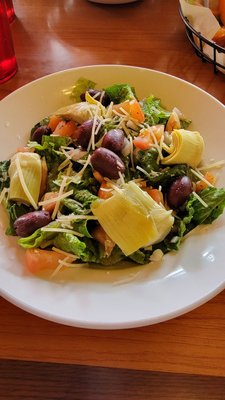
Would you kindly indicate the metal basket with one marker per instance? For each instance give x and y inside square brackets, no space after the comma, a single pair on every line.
[198,41]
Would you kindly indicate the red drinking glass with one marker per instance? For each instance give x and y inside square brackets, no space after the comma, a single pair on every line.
[10,10]
[8,64]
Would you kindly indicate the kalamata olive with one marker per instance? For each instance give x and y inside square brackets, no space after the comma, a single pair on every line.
[98,95]
[107,163]
[114,140]
[39,132]
[179,191]
[28,223]
[83,133]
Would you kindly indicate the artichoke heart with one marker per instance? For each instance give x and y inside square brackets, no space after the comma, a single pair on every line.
[187,148]
[132,219]
[79,112]
[25,174]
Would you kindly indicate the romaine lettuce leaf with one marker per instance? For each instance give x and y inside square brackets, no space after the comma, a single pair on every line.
[84,197]
[44,121]
[154,112]
[215,198]
[14,211]
[121,92]
[4,177]
[81,86]
[39,238]
[147,159]
[70,243]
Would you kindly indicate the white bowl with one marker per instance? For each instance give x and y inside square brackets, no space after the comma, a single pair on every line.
[122,298]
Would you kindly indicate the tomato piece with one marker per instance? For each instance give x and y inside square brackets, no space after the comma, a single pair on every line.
[200,185]
[65,128]
[37,260]
[158,131]
[54,121]
[156,194]
[50,206]
[144,140]
[104,190]
[131,107]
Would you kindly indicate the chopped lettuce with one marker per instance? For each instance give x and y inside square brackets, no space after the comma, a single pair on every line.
[15,210]
[120,93]
[140,256]
[195,214]
[84,197]
[43,122]
[4,177]
[49,149]
[69,243]
[154,112]
[39,238]
[73,206]
[147,159]
[214,198]
[81,86]
[165,176]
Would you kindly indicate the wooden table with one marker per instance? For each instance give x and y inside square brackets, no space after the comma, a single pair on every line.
[180,359]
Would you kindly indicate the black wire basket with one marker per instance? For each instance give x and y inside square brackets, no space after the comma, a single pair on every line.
[198,41]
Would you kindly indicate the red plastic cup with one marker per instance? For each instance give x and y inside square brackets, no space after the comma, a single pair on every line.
[10,10]
[8,64]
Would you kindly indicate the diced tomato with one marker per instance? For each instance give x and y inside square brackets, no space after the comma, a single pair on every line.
[98,176]
[132,107]
[50,206]
[38,260]
[54,121]
[66,128]
[156,194]
[200,185]
[144,140]
[104,190]
[158,131]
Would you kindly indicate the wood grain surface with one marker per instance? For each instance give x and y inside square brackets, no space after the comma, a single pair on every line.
[179,359]
[56,381]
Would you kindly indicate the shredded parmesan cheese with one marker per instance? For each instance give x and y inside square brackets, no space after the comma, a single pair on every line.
[200,199]
[143,170]
[58,198]
[80,173]
[218,164]
[63,230]
[201,177]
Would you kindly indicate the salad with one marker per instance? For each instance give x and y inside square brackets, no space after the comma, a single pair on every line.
[108,178]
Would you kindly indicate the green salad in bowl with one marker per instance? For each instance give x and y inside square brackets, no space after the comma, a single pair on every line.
[108,178]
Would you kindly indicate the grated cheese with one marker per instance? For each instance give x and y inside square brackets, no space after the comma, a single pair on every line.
[200,199]
[201,177]
[218,164]
[121,178]
[80,173]
[143,170]
[64,164]
[58,198]
[64,252]
[62,230]
[57,204]
[155,142]
[157,255]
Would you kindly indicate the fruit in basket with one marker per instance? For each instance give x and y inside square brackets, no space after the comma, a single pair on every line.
[222,11]
[219,37]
